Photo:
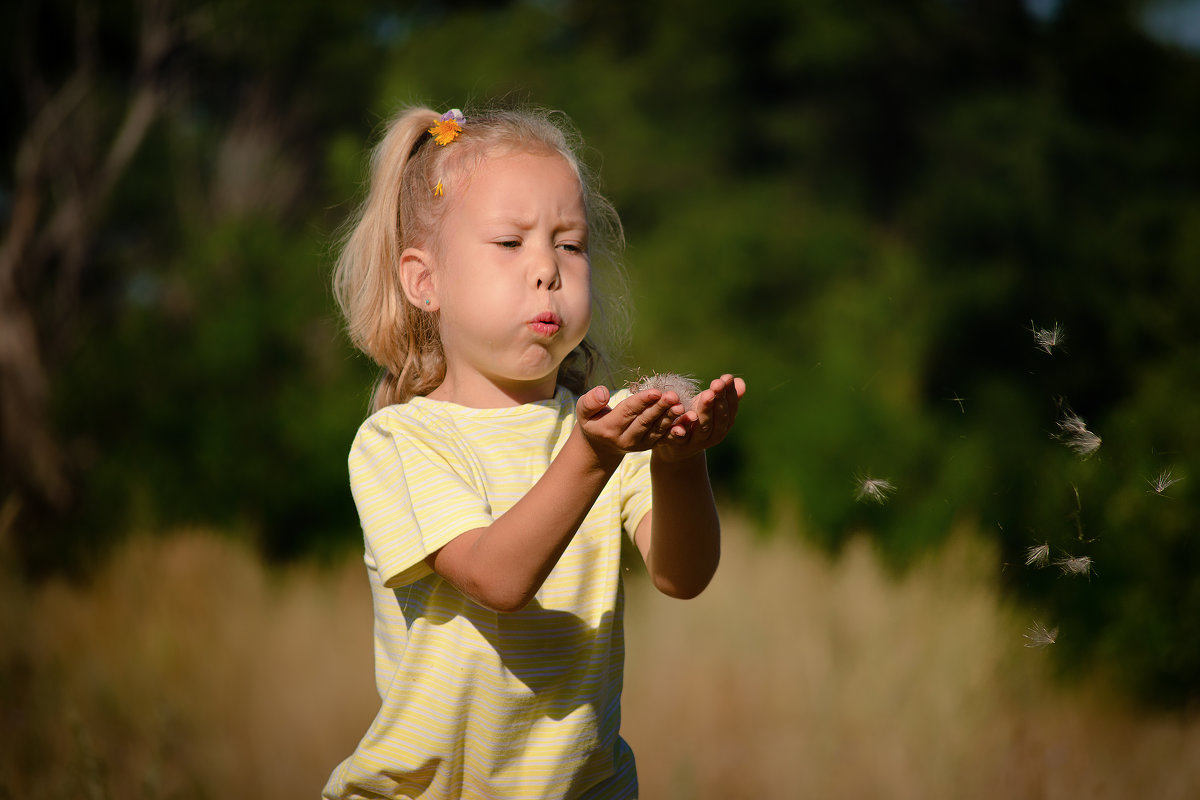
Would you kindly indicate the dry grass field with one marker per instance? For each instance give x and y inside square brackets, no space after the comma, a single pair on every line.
[187,670]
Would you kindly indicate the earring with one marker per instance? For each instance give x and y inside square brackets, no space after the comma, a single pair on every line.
[426,301]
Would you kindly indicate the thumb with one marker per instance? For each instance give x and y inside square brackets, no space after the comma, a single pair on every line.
[592,403]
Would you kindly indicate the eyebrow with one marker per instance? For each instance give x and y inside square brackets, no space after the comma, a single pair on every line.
[526,223]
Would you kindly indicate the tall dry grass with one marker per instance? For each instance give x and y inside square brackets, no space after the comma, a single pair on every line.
[799,676]
[186,670]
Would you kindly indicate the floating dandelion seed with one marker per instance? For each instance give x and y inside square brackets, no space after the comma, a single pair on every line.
[1039,635]
[1038,555]
[874,489]
[1047,340]
[1077,515]
[683,385]
[1163,481]
[1074,565]
[1074,433]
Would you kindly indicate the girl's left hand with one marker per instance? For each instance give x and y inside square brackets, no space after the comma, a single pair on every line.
[706,423]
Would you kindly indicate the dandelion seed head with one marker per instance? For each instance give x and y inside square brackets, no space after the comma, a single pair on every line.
[1047,339]
[683,385]
[1074,565]
[874,489]
[1038,635]
[1038,555]
[1163,481]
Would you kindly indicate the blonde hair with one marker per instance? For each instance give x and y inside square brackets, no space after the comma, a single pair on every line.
[401,210]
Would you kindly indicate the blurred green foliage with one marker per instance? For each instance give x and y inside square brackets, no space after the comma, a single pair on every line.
[865,208]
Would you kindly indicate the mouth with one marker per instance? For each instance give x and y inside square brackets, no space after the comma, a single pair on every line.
[546,324]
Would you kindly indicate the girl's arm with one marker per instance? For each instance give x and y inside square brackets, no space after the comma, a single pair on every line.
[680,539]
[503,565]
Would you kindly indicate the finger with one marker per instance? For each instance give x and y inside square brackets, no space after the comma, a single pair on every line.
[720,389]
[636,404]
[670,396]
[729,398]
[732,396]
[669,420]
[687,419]
[654,417]
[705,409]
[593,403]
[635,420]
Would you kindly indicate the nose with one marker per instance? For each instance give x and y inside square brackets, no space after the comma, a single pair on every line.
[543,272]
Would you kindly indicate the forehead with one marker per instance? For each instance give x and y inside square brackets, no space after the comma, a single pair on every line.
[516,180]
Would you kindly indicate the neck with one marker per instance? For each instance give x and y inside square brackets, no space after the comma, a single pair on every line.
[490,394]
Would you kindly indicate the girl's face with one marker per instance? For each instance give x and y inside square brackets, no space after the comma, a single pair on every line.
[512,280]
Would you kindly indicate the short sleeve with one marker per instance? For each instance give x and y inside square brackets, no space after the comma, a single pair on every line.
[636,499]
[412,498]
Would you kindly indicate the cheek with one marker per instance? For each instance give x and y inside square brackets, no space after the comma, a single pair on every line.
[589,299]
[584,315]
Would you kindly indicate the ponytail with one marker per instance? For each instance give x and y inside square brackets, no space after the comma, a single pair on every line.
[366,280]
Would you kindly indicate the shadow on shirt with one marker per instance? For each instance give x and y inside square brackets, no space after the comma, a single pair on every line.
[559,660]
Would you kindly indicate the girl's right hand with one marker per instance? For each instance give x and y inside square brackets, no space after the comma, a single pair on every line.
[638,422]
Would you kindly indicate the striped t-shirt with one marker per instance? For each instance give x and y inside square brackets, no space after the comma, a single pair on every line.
[477,703]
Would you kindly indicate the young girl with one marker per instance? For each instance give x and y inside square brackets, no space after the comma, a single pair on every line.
[492,484]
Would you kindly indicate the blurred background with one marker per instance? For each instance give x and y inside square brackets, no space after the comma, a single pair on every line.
[952,245]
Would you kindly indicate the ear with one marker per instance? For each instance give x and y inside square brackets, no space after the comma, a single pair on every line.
[417,278]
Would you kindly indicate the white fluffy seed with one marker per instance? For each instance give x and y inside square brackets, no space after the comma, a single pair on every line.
[682,385]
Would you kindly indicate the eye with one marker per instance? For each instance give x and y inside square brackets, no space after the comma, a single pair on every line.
[510,244]
[573,247]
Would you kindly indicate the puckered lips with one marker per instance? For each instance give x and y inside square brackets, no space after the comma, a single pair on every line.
[546,324]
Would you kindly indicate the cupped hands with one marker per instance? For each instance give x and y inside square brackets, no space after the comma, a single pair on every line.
[706,423]
[656,419]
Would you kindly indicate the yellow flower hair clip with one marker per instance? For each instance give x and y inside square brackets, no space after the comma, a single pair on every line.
[448,127]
